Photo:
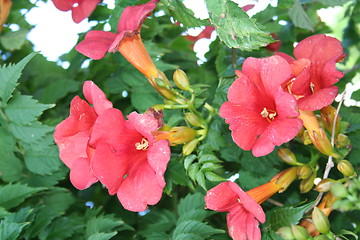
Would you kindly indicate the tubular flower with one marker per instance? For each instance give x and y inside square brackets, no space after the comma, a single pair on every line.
[72,135]
[244,213]
[81,9]
[127,159]
[128,42]
[260,113]
[5,6]
[314,72]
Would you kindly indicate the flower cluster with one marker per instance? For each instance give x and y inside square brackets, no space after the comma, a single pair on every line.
[273,97]
[98,144]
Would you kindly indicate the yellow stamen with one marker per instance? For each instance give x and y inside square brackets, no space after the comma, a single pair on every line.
[268,114]
[143,145]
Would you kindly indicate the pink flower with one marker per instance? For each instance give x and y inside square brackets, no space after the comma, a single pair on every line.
[127,158]
[127,39]
[244,212]
[81,9]
[72,135]
[314,71]
[260,113]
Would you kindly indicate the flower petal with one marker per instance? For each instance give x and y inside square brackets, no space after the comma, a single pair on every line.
[144,124]
[64,5]
[286,104]
[96,44]
[84,9]
[81,176]
[96,97]
[221,198]
[237,223]
[158,157]
[318,99]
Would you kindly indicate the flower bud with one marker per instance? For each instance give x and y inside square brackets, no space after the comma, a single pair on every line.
[307,184]
[304,172]
[346,168]
[160,82]
[328,118]
[287,156]
[181,80]
[306,138]
[285,233]
[189,147]
[324,185]
[192,119]
[285,178]
[321,237]
[338,190]
[320,221]
[299,232]
[342,140]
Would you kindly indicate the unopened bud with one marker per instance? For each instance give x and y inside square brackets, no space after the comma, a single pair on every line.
[189,147]
[304,172]
[285,178]
[306,138]
[320,221]
[321,237]
[328,118]
[285,233]
[160,82]
[342,140]
[346,168]
[324,185]
[287,156]
[181,80]
[338,190]
[307,184]
[192,119]
[299,232]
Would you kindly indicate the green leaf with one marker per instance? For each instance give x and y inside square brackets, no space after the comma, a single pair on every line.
[234,26]
[12,195]
[43,161]
[189,160]
[30,133]
[213,177]
[13,40]
[58,89]
[144,98]
[24,109]
[195,228]
[102,236]
[190,203]
[10,166]
[299,17]
[284,216]
[9,76]
[102,224]
[10,230]
[333,3]
[157,221]
[183,14]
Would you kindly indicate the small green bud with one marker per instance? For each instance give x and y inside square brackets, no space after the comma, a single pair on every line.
[299,232]
[192,119]
[324,185]
[338,190]
[181,80]
[304,172]
[287,156]
[320,221]
[189,147]
[321,237]
[307,184]
[285,233]
[346,168]
[342,140]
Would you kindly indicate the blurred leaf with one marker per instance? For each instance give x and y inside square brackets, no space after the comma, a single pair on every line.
[333,3]
[299,17]
[13,40]
[10,166]
[29,133]
[12,195]
[58,89]
[24,109]
[44,161]
[10,230]
[102,224]
[101,236]
[191,202]
[183,14]
[234,26]
[9,76]
[158,221]
[196,229]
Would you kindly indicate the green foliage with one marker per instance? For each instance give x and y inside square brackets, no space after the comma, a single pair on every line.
[299,16]
[235,28]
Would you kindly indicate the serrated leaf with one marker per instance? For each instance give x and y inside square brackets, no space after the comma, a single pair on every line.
[299,16]
[284,216]
[184,15]
[193,170]
[102,224]
[191,202]
[157,236]
[44,161]
[10,230]
[12,195]
[189,160]
[30,133]
[9,76]
[208,158]
[213,177]
[196,228]
[102,236]
[157,221]
[24,109]
[10,166]
[200,179]
[186,236]
[234,27]
[14,40]
[195,214]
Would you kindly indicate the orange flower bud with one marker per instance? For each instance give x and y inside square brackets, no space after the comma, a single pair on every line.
[176,135]
[189,147]
[5,6]
[285,178]
[287,156]
[192,119]
[324,185]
